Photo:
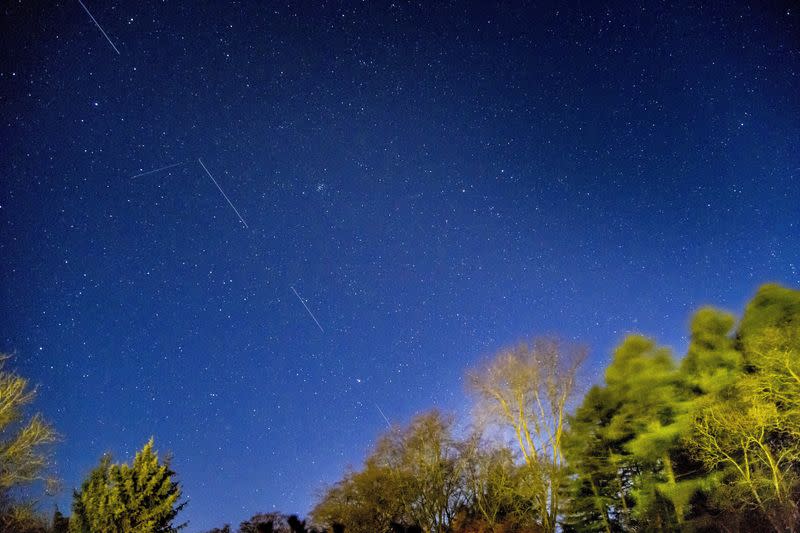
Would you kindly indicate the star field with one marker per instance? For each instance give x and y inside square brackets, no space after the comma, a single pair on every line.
[432,180]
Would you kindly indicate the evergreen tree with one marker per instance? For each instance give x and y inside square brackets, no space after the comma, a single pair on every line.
[117,498]
[619,443]
[712,364]
[602,472]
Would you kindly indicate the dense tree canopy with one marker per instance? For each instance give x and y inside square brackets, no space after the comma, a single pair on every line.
[709,443]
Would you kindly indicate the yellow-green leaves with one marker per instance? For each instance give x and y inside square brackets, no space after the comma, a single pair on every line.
[23,445]
[118,498]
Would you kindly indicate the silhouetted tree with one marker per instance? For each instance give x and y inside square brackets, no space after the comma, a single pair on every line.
[224,529]
[296,525]
[265,523]
[60,522]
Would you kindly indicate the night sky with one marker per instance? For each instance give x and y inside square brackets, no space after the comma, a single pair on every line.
[433,181]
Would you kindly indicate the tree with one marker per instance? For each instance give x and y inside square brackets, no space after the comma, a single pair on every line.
[23,445]
[22,518]
[425,460]
[24,448]
[750,436]
[224,529]
[526,389]
[497,488]
[272,522]
[489,480]
[117,498]
[60,522]
[602,472]
[713,364]
[626,441]
[615,486]
[737,440]
[773,306]
[413,478]
[267,523]
[366,501]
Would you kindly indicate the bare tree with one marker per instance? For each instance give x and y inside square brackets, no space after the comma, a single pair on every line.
[526,389]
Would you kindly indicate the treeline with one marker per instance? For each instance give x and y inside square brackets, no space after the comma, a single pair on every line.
[709,442]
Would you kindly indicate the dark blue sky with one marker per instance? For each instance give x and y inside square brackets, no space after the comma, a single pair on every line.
[436,181]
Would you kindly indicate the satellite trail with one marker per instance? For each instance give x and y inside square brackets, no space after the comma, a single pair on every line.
[389,424]
[156,170]
[99,27]
[225,196]
[309,310]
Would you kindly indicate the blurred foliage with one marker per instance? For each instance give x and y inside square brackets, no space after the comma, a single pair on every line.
[710,442]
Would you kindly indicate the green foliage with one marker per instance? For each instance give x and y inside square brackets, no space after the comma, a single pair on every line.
[709,443]
[712,364]
[117,498]
[666,448]
[773,306]
[622,440]
[602,471]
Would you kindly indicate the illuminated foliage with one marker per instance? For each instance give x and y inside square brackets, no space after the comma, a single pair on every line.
[23,456]
[117,498]
[526,390]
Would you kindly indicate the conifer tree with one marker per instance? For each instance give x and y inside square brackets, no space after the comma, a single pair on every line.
[117,498]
